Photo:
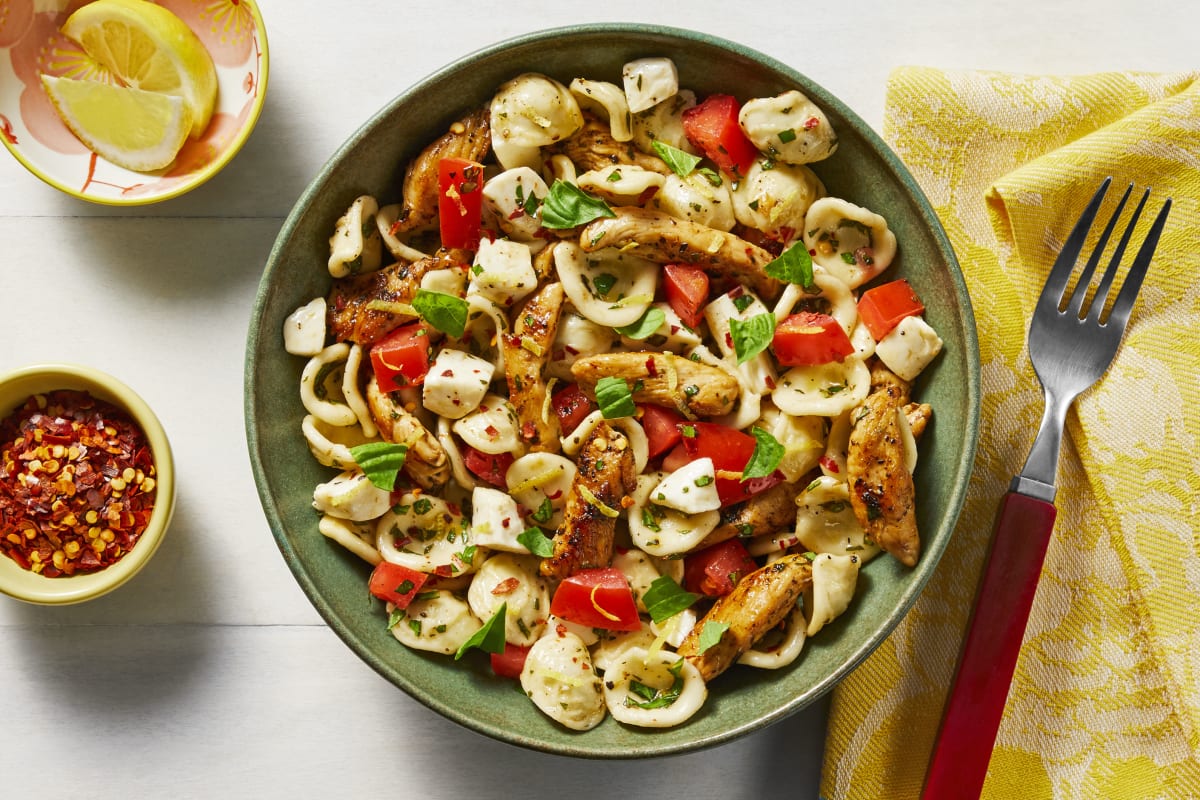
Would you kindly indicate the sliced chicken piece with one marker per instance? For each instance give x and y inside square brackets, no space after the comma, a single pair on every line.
[426,461]
[606,476]
[758,603]
[594,147]
[769,512]
[543,263]
[359,305]
[881,487]
[664,239]
[918,416]
[663,379]
[526,351]
[469,138]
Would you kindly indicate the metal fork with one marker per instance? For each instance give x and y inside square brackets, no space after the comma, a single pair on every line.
[1072,342]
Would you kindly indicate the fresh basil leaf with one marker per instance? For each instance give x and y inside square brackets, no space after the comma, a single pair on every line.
[614,398]
[443,311]
[489,638]
[651,321]
[657,698]
[768,452]
[711,634]
[380,461]
[664,598]
[536,542]
[752,336]
[568,206]
[544,512]
[794,265]
[680,162]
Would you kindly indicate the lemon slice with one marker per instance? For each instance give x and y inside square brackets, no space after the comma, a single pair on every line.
[132,128]
[151,49]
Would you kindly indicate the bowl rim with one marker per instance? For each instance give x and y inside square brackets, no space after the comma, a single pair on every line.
[962,466]
[197,178]
[17,385]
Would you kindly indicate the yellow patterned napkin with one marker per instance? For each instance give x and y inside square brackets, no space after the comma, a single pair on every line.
[1105,702]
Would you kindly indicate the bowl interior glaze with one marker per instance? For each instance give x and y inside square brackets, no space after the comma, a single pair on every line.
[372,161]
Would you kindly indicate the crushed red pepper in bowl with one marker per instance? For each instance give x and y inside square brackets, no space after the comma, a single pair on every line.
[86,484]
[77,483]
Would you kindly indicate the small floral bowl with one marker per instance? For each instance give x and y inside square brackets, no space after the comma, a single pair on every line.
[231,30]
[24,584]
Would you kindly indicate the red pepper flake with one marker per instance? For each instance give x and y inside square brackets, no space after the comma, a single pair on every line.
[829,465]
[651,367]
[811,123]
[77,484]
[770,382]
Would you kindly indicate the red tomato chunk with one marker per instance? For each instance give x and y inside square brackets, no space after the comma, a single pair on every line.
[488,467]
[712,127]
[396,584]
[597,598]
[662,428]
[810,338]
[460,202]
[686,290]
[882,308]
[572,405]
[509,663]
[730,451]
[714,571]
[402,357]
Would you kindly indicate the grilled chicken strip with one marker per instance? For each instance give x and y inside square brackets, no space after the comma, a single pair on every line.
[526,350]
[763,514]
[918,415]
[758,603]
[351,317]
[426,461]
[469,138]
[663,379]
[594,147]
[606,475]
[881,487]
[665,239]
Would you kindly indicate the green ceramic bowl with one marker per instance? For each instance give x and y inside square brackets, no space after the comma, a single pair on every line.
[863,170]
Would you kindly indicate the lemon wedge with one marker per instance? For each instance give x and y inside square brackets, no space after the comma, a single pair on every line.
[151,49]
[132,128]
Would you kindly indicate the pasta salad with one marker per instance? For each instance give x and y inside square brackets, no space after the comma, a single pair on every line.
[612,391]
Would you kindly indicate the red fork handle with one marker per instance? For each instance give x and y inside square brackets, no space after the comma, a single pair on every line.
[976,703]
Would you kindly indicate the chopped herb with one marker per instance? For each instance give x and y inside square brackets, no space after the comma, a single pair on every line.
[703,480]
[395,617]
[614,176]
[710,635]
[742,302]
[614,398]
[603,284]
[405,587]
[752,336]
[489,638]
[422,505]
[691,390]
[656,698]
[567,206]
[544,512]
[651,514]
[680,162]
[443,311]
[652,320]
[710,175]
[380,462]
[794,265]
[536,542]
[688,431]
[768,452]
[786,136]
[849,258]
[665,598]
[832,389]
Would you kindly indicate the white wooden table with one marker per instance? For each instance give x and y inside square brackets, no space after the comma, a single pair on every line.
[210,675]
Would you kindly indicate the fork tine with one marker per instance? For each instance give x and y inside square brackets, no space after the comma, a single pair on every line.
[1110,274]
[1079,293]
[1056,283]
[1137,271]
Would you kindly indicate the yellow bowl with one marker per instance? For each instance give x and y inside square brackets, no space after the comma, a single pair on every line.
[15,388]
[231,30]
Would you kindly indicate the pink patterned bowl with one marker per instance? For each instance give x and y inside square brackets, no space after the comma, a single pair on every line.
[30,43]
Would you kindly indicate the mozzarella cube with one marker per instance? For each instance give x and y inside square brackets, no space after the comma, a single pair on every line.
[909,347]
[451,281]
[649,81]
[496,520]
[508,196]
[691,489]
[503,271]
[304,329]
[352,496]
[456,383]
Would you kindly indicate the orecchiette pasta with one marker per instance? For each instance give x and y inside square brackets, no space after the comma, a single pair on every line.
[620,445]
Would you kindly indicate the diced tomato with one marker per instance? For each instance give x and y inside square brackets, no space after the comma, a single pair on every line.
[713,127]
[597,598]
[510,663]
[460,202]
[714,571]
[730,451]
[396,584]
[571,404]
[883,307]
[402,357]
[661,426]
[487,467]
[810,338]
[686,289]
